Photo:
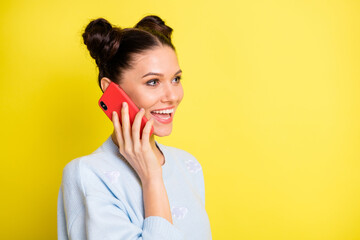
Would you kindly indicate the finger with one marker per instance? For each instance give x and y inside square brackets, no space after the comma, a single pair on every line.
[136,127]
[118,130]
[146,133]
[126,127]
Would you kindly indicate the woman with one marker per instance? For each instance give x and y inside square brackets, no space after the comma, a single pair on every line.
[132,187]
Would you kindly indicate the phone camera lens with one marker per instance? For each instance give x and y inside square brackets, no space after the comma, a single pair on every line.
[103,105]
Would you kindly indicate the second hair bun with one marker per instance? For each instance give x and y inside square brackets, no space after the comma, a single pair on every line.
[155,24]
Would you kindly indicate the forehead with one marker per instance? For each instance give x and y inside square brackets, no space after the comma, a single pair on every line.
[161,59]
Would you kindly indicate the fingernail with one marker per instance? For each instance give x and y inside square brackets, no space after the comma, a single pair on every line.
[124,104]
[141,109]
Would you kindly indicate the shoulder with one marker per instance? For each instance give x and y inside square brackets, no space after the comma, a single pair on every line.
[99,172]
[76,169]
[78,164]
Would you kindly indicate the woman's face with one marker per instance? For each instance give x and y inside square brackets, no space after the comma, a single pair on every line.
[153,83]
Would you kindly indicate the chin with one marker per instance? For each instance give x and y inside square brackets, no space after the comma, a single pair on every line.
[162,131]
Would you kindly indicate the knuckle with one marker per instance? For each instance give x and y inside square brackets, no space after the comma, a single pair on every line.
[144,148]
[138,152]
[128,150]
[137,147]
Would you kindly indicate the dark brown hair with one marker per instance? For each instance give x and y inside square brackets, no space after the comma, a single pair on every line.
[113,47]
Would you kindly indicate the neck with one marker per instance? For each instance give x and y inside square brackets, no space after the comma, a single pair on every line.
[157,152]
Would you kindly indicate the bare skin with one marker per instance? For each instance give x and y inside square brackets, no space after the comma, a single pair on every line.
[153,84]
[157,152]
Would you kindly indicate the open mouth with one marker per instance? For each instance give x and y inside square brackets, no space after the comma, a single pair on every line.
[163,116]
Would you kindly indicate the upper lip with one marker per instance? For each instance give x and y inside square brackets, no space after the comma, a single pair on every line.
[160,109]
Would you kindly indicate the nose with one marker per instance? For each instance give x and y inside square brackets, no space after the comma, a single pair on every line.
[170,93]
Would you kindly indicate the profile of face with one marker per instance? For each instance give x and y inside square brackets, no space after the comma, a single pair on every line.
[153,83]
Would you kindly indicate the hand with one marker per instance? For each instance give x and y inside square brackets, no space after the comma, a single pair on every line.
[138,152]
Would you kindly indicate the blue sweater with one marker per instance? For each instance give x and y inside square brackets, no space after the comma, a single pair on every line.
[101,198]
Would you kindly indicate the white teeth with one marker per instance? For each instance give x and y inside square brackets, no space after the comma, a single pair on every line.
[167,111]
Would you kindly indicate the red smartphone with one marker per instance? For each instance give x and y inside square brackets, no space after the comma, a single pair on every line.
[112,100]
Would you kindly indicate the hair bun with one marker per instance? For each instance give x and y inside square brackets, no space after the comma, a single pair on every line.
[102,40]
[154,23]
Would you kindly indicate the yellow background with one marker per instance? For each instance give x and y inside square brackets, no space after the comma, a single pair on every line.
[271,110]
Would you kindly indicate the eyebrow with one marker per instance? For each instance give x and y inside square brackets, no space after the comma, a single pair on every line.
[159,74]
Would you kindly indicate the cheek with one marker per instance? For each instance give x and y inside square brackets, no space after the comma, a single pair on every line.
[144,100]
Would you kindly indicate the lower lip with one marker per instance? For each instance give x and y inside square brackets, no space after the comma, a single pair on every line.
[162,120]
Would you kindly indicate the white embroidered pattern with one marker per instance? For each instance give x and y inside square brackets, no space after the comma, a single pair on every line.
[179,212]
[112,176]
[193,166]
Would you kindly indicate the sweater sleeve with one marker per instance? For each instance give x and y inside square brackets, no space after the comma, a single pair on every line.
[106,220]
[93,214]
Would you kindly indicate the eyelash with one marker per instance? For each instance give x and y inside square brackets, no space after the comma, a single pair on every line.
[179,78]
[149,83]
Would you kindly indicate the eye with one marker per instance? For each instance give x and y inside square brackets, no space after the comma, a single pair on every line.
[152,82]
[177,79]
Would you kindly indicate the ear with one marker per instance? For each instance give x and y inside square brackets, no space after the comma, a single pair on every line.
[104,83]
